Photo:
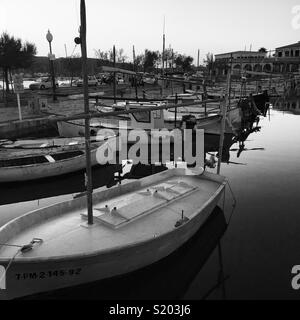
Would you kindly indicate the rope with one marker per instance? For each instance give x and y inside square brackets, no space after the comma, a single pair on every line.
[24,248]
[74,50]
[11,261]
[233,204]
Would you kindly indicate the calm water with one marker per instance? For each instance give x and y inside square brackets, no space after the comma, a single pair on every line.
[259,248]
[262,243]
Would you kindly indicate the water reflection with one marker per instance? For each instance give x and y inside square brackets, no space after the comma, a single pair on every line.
[56,186]
[241,135]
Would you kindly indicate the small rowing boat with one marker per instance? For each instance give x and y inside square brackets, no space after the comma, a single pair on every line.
[135,224]
[33,160]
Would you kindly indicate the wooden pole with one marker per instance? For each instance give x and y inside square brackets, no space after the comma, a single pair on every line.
[115,86]
[89,186]
[163,60]
[198,61]
[19,106]
[52,73]
[135,77]
[205,97]
[172,86]
[229,82]
[223,122]
[176,102]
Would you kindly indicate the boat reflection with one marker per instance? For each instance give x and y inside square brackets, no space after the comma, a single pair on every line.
[242,132]
[169,278]
[56,186]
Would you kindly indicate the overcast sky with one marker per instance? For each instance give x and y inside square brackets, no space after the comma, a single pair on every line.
[211,25]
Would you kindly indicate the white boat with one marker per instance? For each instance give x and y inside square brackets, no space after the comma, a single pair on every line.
[29,163]
[135,224]
[45,143]
[146,120]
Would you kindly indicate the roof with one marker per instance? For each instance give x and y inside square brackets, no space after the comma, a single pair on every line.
[297,44]
[113,69]
[246,52]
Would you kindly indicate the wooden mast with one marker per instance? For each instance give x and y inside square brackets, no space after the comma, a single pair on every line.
[89,187]
[135,77]
[115,84]
[224,106]
[163,58]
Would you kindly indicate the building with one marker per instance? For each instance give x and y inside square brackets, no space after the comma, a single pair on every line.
[287,58]
[244,61]
[241,55]
[292,50]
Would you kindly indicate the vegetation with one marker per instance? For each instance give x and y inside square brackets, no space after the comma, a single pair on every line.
[184,62]
[14,54]
[108,56]
[149,61]
[264,50]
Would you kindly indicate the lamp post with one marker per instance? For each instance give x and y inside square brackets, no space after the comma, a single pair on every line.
[49,38]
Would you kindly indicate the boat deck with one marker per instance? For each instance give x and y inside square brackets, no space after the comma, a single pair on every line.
[121,221]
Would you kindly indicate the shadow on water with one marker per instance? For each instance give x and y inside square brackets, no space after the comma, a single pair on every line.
[169,278]
[56,186]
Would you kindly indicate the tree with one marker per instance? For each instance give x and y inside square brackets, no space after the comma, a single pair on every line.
[120,56]
[262,50]
[210,62]
[102,55]
[151,58]
[14,54]
[72,66]
[184,62]
[187,63]
[139,61]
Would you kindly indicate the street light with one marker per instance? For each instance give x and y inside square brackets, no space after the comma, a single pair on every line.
[49,38]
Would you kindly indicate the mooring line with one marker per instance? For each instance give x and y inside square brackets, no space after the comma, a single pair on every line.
[233,205]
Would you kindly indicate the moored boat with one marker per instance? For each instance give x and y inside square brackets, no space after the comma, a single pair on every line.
[22,164]
[135,224]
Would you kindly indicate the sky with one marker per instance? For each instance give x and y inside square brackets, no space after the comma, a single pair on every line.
[215,26]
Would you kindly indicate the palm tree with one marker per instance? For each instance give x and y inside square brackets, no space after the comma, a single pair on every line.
[14,54]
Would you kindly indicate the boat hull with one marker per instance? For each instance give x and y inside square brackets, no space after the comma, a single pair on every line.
[45,170]
[25,279]
[52,168]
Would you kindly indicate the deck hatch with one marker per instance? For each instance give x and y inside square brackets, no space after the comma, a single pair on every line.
[120,212]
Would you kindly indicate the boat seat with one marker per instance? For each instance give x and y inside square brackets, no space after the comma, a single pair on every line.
[49,158]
